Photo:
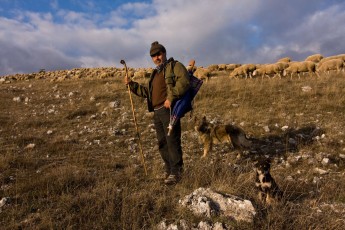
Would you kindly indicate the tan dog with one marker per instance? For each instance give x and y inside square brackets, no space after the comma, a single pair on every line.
[269,192]
[210,134]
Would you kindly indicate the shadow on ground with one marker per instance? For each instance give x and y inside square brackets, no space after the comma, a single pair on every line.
[278,145]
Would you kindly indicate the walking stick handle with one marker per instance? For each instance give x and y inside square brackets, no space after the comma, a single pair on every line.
[127,78]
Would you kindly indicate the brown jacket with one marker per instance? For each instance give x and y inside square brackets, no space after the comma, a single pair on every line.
[177,80]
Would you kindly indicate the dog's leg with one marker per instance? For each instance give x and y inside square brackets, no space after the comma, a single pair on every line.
[207,148]
[268,199]
[261,196]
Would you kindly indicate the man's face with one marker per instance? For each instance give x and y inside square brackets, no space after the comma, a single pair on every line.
[159,58]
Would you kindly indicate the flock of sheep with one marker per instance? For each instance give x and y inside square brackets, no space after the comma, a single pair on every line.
[314,64]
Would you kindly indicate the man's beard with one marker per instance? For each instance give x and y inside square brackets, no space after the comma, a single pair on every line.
[161,66]
[158,62]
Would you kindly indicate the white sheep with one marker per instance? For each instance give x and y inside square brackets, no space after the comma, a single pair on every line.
[202,73]
[231,67]
[269,69]
[333,64]
[284,59]
[141,74]
[340,56]
[221,67]
[314,58]
[300,67]
[243,70]
[212,67]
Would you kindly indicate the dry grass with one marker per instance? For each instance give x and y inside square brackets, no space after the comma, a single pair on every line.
[84,170]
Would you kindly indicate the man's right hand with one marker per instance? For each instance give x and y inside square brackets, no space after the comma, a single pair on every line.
[127,80]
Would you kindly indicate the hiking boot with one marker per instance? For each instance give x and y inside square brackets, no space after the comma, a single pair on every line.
[172,179]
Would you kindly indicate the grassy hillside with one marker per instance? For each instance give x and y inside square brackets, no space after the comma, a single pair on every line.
[69,158]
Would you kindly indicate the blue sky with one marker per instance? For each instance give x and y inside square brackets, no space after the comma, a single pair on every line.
[66,34]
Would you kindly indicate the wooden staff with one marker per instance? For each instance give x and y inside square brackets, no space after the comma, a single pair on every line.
[135,119]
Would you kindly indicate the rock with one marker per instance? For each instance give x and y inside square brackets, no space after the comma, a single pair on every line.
[292,141]
[208,203]
[267,129]
[114,104]
[285,127]
[316,180]
[325,161]
[30,146]
[181,226]
[320,171]
[306,88]
[4,201]
[204,225]
[17,99]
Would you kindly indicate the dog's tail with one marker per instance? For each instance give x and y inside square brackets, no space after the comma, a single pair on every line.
[238,137]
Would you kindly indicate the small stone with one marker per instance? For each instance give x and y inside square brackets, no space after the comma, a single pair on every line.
[267,129]
[285,127]
[30,146]
[325,161]
[306,88]
[17,99]
[320,171]
[316,180]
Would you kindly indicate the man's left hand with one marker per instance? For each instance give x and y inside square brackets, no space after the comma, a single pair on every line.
[167,104]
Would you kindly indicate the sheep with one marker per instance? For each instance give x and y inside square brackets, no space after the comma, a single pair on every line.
[300,67]
[340,56]
[236,72]
[231,67]
[246,70]
[275,69]
[221,67]
[314,58]
[262,69]
[213,67]
[285,59]
[333,64]
[140,74]
[202,73]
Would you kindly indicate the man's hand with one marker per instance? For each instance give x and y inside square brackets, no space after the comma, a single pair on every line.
[167,104]
[127,80]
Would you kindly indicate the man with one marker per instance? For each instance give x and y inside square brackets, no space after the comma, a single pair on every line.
[168,82]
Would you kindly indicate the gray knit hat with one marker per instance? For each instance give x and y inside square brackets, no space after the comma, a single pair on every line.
[156,48]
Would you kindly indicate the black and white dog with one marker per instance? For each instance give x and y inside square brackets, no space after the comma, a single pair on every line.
[269,191]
